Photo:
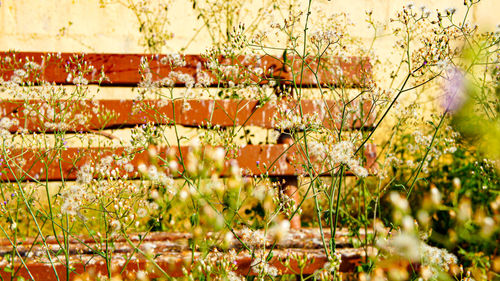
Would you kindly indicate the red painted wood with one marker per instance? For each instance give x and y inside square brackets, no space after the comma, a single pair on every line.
[173,264]
[89,115]
[126,70]
[297,238]
[273,160]
[173,255]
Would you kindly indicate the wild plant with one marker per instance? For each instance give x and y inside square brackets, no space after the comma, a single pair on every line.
[427,211]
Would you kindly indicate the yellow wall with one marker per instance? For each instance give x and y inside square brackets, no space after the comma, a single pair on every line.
[36,25]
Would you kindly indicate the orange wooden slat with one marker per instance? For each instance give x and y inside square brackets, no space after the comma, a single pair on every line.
[88,115]
[305,238]
[126,70]
[173,254]
[173,263]
[273,160]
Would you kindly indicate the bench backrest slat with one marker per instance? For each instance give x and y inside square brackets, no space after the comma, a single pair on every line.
[273,160]
[126,69]
[88,115]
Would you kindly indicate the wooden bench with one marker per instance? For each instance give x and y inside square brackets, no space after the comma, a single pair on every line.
[284,160]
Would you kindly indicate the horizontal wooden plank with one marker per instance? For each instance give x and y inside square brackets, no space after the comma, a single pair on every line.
[183,70]
[91,115]
[273,160]
[173,254]
[173,263]
[304,238]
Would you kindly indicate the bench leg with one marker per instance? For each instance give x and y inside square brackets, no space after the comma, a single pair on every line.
[290,185]
[290,189]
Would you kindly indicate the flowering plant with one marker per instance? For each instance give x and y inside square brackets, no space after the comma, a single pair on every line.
[428,209]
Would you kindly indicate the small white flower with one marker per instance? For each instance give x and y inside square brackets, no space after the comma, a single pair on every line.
[450,11]
[142,168]
[219,154]
[20,73]
[31,65]
[195,142]
[141,276]
[183,195]
[142,212]
[129,168]
[186,106]
[280,230]
[6,123]
[173,165]
[80,80]
[435,196]
[399,201]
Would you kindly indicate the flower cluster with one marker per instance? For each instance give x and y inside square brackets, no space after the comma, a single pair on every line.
[336,153]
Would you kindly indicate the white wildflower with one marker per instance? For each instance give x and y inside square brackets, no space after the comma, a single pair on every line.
[80,80]
[141,212]
[435,196]
[439,259]
[31,65]
[233,276]
[450,11]
[20,73]
[403,244]
[73,198]
[6,123]
[260,266]
[399,201]
[84,175]
[280,230]
[129,168]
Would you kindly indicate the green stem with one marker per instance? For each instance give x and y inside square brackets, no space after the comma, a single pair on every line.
[342,169]
[426,153]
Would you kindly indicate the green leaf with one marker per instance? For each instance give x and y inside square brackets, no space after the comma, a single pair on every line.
[269,256]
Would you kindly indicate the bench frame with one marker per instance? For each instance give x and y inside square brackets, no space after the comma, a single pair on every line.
[125,70]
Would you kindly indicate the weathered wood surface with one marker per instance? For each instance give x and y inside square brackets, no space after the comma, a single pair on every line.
[57,164]
[171,253]
[170,250]
[88,115]
[132,69]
